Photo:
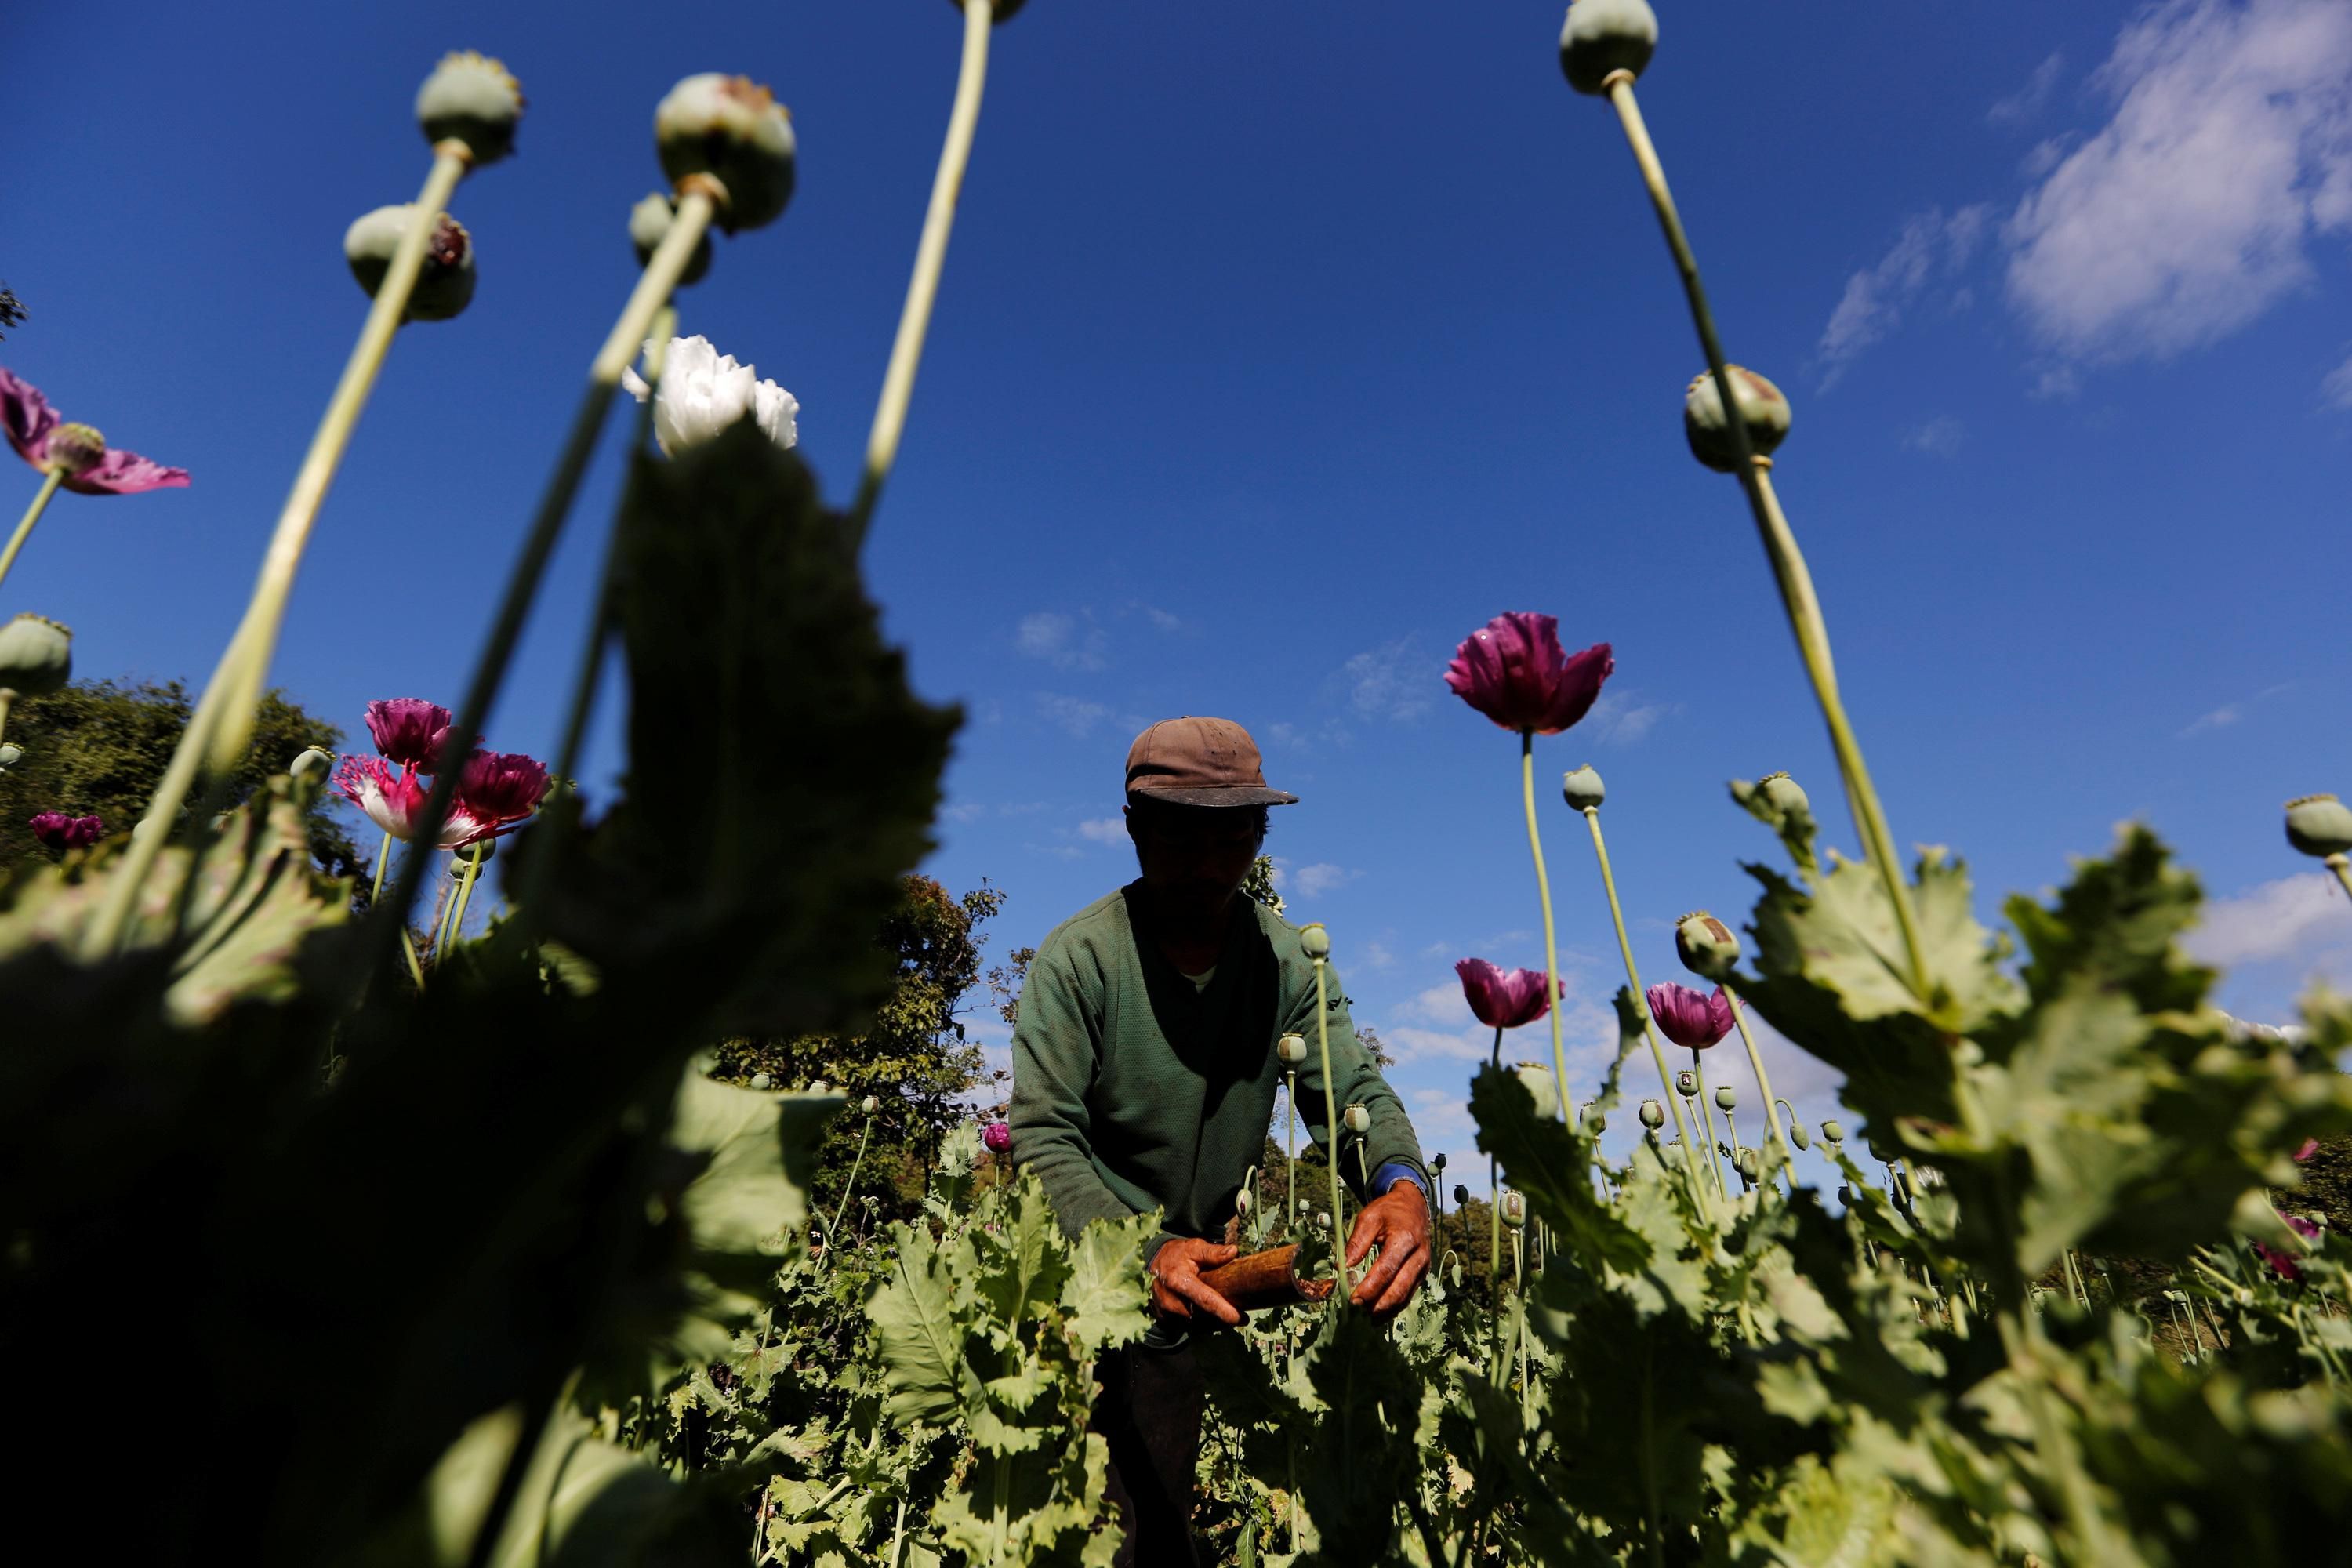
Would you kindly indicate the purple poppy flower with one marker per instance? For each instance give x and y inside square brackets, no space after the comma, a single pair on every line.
[1690,1018]
[2284,1266]
[91,467]
[501,789]
[58,831]
[1512,670]
[1503,998]
[410,730]
[998,1136]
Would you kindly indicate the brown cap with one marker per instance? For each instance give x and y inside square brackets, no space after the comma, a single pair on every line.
[1199,762]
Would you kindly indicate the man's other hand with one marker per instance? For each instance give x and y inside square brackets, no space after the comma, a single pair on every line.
[1177,1287]
[1397,1222]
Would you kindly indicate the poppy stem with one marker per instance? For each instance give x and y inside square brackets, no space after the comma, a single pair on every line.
[1796,583]
[1706,1119]
[1331,1137]
[32,515]
[222,724]
[1641,1005]
[930,255]
[465,895]
[2342,865]
[698,204]
[1763,1081]
[1551,945]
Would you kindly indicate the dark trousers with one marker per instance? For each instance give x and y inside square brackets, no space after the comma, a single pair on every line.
[1150,1413]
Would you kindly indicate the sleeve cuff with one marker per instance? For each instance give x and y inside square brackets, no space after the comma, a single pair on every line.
[1396,1171]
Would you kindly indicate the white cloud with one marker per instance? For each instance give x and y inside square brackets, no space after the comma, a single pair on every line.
[2185,216]
[1163,620]
[1104,830]
[2335,390]
[1875,296]
[1057,639]
[963,811]
[1620,718]
[1313,881]
[1940,436]
[1390,682]
[1071,713]
[2027,100]
[2293,917]
[2229,713]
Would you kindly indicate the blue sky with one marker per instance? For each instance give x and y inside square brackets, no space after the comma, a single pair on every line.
[1280,347]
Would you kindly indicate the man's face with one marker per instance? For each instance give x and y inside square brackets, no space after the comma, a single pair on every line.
[1195,859]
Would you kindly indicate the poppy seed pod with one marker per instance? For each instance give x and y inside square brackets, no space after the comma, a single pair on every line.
[1358,1119]
[1832,1132]
[10,755]
[470,98]
[760,1081]
[870,1104]
[1706,945]
[1653,1115]
[649,222]
[1784,794]
[1540,1084]
[1880,1153]
[1322,1222]
[35,656]
[75,448]
[310,762]
[1437,1163]
[1799,1137]
[1460,1195]
[1292,1049]
[1763,409]
[1601,37]
[1315,941]
[1726,1098]
[1687,1084]
[1583,789]
[1596,1124]
[732,129]
[2319,825]
[444,283]
[1514,1209]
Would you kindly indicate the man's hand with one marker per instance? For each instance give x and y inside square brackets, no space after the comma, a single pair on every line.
[1398,1223]
[1177,1288]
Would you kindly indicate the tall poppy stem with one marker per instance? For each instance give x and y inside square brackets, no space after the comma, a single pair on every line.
[1796,583]
[2342,865]
[1494,1217]
[1331,1137]
[1763,1081]
[1642,1004]
[697,197]
[222,724]
[1551,946]
[1706,1119]
[931,256]
[32,515]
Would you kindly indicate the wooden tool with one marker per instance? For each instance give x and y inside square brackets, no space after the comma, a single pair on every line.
[1268,1278]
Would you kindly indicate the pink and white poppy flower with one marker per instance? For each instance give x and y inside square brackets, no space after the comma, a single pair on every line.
[77,453]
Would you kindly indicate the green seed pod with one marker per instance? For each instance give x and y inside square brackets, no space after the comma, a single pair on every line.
[1315,941]
[1784,794]
[1437,1163]
[1596,1124]
[1799,1137]
[310,762]
[760,1081]
[10,755]
[1748,1165]
[444,284]
[478,852]
[1358,1119]
[74,447]
[733,129]
[649,221]
[2318,825]
[1322,1222]
[1540,1084]
[870,1104]
[1292,1049]
[1687,1084]
[1762,408]
[1880,1153]
[470,98]
[1460,1195]
[1726,1098]
[1604,36]
[35,656]
[1832,1132]
[1653,1115]
[1001,15]
[1583,789]
[1706,945]
[1514,1209]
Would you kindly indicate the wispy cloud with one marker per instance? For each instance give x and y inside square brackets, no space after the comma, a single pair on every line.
[1073,714]
[1313,881]
[2293,917]
[1622,718]
[964,811]
[1931,245]
[1062,641]
[2335,390]
[2186,216]
[2028,100]
[1103,830]
[1392,682]
[1940,436]
[1167,621]
[2231,713]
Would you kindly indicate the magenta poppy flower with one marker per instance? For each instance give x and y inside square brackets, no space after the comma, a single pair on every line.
[1690,1018]
[1503,998]
[1512,670]
[33,426]
[2284,1266]
[410,730]
[501,788]
[998,1136]
[58,831]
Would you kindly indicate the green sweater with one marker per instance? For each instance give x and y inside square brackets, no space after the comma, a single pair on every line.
[1133,1090]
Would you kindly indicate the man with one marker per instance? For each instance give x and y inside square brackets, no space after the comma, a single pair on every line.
[1144,1072]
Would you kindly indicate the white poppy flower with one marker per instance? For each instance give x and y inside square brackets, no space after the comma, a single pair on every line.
[703,392]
